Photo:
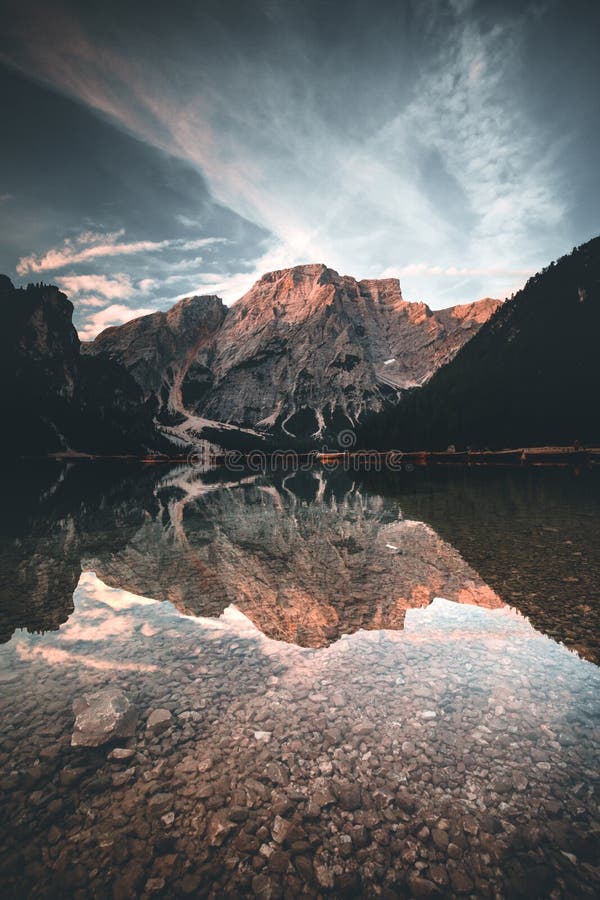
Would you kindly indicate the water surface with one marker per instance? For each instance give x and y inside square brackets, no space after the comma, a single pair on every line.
[378,686]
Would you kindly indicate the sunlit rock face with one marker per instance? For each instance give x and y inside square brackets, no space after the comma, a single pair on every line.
[310,350]
[161,350]
[303,567]
[306,352]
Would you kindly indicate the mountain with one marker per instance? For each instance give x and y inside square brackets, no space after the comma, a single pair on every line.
[161,351]
[305,353]
[52,398]
[530,376]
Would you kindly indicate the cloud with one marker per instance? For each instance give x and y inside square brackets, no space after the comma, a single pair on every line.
[416,280]
[425,143]
[116,598]
[232,286]
[117,287]
[90,245]
[90,301]
[200,242]
[72,252]
[505,170]
[453,271]
[291,171]
[115,314]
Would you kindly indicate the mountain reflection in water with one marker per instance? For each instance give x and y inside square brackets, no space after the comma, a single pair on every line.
[307,556]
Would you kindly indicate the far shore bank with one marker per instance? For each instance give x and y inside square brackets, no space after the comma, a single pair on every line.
[515,456]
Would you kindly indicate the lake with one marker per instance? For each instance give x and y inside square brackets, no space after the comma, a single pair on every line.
[337,683]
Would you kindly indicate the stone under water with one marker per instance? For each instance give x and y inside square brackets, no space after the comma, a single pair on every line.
[102,717]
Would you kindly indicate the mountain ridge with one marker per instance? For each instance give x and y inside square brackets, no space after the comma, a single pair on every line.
[306,352]
[304,355]
[528,378]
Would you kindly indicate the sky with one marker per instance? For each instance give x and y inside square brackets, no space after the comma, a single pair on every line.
[155,150]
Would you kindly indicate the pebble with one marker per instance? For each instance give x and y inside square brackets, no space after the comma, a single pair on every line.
[122,753]
[159,720]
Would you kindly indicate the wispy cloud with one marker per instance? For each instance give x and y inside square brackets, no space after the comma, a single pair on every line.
[117,287]
[505,170]
[90,245]
[425,144]
[423,280]
[91,302]
[449,271]
[75,251]
[115,314]
[453,271]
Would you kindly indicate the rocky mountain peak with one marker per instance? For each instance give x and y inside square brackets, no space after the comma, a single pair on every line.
[161,348]
[312,271]
[383,290]
[191,311]
[304,353]
[294,294]
[478,311]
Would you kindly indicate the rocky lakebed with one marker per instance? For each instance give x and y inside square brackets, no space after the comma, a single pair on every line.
[394,728]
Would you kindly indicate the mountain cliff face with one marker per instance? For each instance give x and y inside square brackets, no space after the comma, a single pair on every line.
[162,349]
[306,352]
[52,398]
[529,377]
[303,355]
[39,351]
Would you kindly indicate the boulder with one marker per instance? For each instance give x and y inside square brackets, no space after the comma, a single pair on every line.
[101,717]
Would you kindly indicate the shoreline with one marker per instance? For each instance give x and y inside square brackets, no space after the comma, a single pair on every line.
[515,456]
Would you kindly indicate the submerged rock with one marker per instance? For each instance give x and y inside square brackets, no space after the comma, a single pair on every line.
[348,794]
[219,827]
[122,753]
[101,717]
[159,720]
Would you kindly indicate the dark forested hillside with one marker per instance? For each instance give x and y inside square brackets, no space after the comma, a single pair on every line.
[52,398]
[530,376]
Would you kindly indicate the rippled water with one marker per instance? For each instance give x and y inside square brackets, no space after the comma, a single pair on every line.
[372,686]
